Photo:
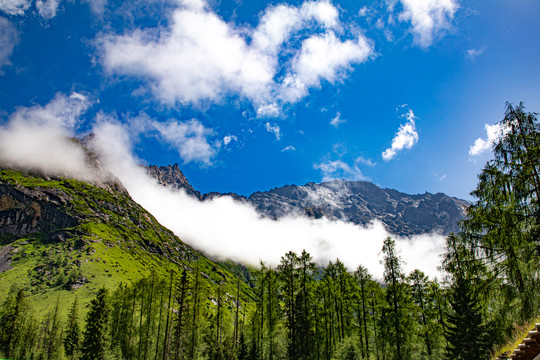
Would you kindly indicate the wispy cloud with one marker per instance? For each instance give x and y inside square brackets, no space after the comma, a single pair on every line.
[493,134]
[9,37]
[338,169]
[201,58]
[274,129]
[337,120]
[15,7]
[227,139]
[428,18]
[405,138]
[46,8]
[288,148]
[235,225]
[472,54]
[38,138]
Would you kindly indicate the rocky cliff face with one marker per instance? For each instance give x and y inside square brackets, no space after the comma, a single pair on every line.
[25,211]
[172,177]
[359,202]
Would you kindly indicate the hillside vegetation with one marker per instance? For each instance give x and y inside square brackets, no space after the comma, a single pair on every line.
[66,238]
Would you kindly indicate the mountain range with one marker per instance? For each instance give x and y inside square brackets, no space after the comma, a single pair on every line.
[359,202]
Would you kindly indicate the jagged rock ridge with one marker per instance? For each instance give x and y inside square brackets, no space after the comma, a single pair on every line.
[359,202]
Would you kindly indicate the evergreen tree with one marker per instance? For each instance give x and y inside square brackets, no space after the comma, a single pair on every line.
[52,339]
[396,314]
[466,334]
[243,352]
[504,223]
[17,332]
[96,337]
[73,332]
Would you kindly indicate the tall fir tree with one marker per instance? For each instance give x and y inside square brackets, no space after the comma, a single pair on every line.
[96,333]
[466,333]
[72,331]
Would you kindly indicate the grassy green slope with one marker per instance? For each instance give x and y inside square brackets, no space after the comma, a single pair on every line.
[114,241]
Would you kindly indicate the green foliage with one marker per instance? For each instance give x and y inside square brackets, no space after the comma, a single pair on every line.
[503,226]
[72,332]
[17,326]
[467,335]
[96,334]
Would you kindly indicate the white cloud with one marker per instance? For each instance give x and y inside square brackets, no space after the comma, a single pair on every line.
[227,229]
[474,53]
[427,17]
[47,8]
[323,57]
[8,39]
[37,138]
[227,139]
[338,169]
[288,148]
[268,110]
[405,138]
[273,129]
[493,134]
[336,120]
[189,138]
[15,7]
[201,58]
[363,160]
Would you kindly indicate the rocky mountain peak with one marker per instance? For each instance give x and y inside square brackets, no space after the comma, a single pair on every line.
[359,202]
[172,177]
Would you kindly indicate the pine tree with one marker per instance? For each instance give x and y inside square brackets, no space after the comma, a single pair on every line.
[396,314]
[466,334]
[53,334]
[96,337]
[16,326]
[504,223]
[243,352]
[73,332]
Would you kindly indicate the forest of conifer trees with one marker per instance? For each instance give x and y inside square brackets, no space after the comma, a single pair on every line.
[301,310]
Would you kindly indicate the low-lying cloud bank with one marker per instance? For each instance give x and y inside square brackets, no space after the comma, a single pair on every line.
[37,138]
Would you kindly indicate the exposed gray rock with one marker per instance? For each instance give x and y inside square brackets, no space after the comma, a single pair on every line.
[359,202]
[172,177]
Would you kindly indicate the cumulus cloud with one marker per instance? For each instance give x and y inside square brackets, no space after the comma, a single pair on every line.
[190,139]
[338,169]
[274,129]
[201,58]
[193,141]
[405,138]
[493,134]
[428,18]
[8,39]
[38,138]
[228,229]
[337,120]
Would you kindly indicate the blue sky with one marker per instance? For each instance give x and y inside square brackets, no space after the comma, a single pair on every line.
[251,95]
